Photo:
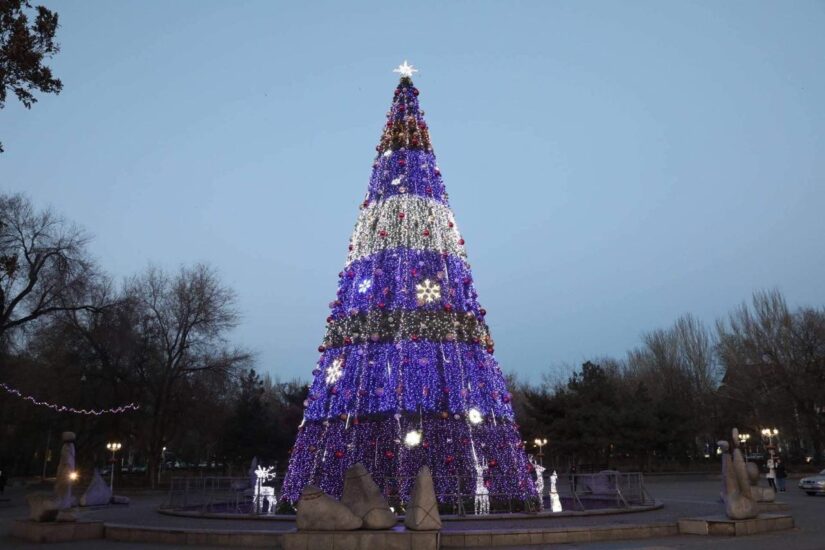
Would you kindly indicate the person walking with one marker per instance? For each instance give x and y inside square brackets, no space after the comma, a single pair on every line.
[2,482]
[771,473]
[781,474]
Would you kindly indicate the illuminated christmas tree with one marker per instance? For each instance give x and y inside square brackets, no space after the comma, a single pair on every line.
[407,375]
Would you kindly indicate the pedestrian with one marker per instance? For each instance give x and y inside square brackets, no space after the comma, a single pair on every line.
[771,473]
[781,474]
[574,480]
[2,482]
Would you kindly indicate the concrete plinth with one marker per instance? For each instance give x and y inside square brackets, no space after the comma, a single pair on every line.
[723,526]
[397,538]
[36,531]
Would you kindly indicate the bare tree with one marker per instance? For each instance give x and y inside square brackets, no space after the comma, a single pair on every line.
[185,319]
[43,264]
[778,356]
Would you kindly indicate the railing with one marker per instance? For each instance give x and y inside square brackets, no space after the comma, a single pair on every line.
[622,489]
[231,495]
[458,495]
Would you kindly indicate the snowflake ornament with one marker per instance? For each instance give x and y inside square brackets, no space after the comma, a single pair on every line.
[427,291]
[364,286]
[335,371]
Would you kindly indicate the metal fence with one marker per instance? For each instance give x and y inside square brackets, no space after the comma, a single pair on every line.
[458,495]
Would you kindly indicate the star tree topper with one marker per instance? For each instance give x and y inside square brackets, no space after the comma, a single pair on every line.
[405,70]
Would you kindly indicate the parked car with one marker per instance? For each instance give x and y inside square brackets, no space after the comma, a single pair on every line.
[813,485]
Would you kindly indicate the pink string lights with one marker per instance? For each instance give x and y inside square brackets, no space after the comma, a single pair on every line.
[65,409]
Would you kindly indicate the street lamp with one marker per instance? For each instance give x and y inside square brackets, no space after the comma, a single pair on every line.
[743,441]
[540,443]
[114,447]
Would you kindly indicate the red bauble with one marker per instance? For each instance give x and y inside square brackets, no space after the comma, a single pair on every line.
[383,233]
[339,454]
[389,454]
[401,215]
[426,232]
[482,312]
[414,337]
[402,162]
[492,463]
[461,242]
[351,247]
[448,307]
[347,341]
[381,305]
[449,459]
[321,349]
[450,224]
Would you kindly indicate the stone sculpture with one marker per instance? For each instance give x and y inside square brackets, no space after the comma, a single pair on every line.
[98,493]
[422,511]
[363,497]
[761,494]
[320,512]
[736,488]
[65,473]
[45,507]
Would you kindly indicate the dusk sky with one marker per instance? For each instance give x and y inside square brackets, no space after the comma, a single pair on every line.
[612,165]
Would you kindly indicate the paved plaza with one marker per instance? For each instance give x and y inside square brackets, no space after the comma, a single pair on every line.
[682,496]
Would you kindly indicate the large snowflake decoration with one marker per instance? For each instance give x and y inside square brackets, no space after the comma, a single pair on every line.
[335,371]
[364,286]
[427,291]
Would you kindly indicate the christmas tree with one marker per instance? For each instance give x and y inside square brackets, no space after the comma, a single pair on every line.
[407,375]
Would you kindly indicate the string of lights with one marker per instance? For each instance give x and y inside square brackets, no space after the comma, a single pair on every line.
[65,408]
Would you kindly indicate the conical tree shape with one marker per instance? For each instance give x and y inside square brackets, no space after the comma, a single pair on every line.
[407,375]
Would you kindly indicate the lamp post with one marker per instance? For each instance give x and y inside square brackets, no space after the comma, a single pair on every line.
[114,447]
[770,433]
[540,443]
[743,440]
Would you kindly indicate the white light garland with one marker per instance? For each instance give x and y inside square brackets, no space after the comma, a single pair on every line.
[426,224]
[66,409]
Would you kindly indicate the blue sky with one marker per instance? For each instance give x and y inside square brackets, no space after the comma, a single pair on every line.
[612,165]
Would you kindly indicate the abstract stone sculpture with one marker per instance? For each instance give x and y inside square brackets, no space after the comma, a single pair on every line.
[422,512]
[98,493]
[45,507]
[320,512]
[363,497]
[42,507]
[761,494]
[65,473]
[736,488]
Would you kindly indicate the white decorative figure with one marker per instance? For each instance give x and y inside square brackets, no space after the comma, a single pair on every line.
[539,480]
[555,502]
[482,498]
[264,500]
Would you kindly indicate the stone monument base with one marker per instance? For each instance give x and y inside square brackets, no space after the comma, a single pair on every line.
[396,538]
[723,526]
[772,507]
[37,531]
